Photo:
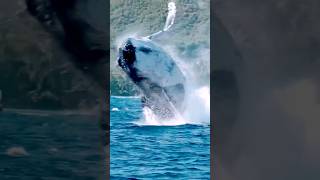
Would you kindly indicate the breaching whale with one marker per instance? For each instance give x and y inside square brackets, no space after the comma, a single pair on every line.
[159,78]
[155,73]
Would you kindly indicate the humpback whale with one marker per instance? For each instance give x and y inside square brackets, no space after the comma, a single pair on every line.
[159,78]
[156,74]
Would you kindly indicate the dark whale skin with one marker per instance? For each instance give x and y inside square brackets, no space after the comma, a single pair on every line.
[163,97]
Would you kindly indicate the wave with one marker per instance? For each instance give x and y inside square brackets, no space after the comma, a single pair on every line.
[115,109]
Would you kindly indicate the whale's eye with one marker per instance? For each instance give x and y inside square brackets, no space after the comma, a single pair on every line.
[145,49]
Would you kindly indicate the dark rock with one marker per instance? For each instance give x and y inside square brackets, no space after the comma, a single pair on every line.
[45,63]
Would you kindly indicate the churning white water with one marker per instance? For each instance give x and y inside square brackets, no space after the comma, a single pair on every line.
[197,100]
[197,111]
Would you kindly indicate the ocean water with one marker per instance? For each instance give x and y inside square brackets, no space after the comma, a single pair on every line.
[50,146]
[149,151]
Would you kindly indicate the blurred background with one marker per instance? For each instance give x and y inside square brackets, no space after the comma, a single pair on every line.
[53,74]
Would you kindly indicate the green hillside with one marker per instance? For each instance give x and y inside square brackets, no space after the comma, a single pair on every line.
[144,17]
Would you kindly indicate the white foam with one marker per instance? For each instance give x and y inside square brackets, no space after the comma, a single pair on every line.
[150,119]
[198,106]
[197,111]
[115,109]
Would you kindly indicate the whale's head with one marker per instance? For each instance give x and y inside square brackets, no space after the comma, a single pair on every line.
[127,57]
[142,58]
[131,53]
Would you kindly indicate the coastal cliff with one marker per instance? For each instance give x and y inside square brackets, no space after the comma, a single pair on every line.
[37,70]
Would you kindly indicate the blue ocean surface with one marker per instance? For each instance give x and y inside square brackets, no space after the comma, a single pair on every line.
[50,146]
[155,152]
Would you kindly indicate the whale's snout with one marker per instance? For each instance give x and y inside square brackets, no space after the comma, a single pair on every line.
[126,55]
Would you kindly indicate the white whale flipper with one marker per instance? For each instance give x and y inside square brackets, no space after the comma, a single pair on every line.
[171,16]
[172,10]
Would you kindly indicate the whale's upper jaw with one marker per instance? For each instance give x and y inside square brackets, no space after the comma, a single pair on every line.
[126,55]
[126,60]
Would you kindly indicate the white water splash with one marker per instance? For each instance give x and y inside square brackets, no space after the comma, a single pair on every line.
[197,111]
[198,106]
[115,109]
[150,119]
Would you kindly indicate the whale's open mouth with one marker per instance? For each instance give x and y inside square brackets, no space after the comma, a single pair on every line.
[126,54]
[126,59]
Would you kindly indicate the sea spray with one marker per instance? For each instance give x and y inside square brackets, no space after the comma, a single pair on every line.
[197,111]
